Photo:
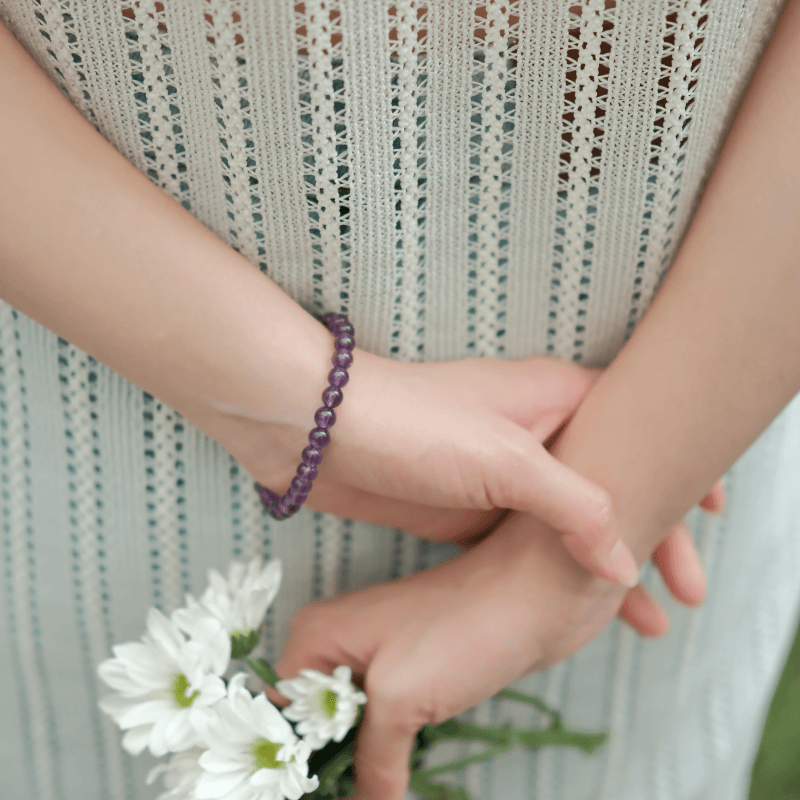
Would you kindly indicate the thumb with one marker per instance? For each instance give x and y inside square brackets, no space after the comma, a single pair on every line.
[383,748]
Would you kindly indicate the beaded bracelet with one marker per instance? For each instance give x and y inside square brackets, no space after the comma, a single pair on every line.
[281,507]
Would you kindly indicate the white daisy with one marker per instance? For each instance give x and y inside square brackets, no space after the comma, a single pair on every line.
[325,705]
[180,775]
[238,604]
[199,623]
[166,686]
[241,602]
[253,753]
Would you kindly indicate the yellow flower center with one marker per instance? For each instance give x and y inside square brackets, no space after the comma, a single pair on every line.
[327,701]
[180,683]
[264,752]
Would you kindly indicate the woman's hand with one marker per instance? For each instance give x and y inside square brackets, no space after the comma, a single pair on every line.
[430,646]
[678,562]
[439,449]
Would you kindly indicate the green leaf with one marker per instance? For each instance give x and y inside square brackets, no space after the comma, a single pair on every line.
[263,670]
[242,644]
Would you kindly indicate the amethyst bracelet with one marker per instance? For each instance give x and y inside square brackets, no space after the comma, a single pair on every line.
[281,507]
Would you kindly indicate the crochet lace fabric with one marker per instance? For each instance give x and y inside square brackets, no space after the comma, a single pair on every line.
[489,178]
[465,177]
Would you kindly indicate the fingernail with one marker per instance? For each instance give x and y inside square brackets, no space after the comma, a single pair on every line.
[623,565]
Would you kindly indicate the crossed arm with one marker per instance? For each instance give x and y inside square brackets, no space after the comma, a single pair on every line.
[717,355]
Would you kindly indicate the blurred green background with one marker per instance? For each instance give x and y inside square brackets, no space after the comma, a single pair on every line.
[776,771]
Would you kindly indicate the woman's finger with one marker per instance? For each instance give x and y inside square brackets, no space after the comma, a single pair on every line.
[679,564]
[714,501]
[643,613]
[383,748]
[523,476]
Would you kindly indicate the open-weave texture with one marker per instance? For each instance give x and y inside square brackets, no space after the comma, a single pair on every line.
[488,178]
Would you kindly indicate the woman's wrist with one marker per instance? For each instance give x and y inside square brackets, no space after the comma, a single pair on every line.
[121,270]
[640,517]
[263,411]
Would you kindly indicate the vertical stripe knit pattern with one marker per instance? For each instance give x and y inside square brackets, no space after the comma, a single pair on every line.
[484,178]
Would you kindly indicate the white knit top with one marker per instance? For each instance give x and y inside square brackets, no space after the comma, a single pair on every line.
[463,178]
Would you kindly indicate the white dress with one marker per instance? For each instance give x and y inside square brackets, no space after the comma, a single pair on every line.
[489,178]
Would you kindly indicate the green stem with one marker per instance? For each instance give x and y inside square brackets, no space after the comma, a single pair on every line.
[503,740]
[513,694]
[263,670]
[437,791]
[588,742]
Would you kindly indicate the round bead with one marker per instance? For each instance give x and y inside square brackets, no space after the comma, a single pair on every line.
[319,438]
[331,397]
[291,497]
[344,341]
[345,327]
[324,418]
[300,484]
[267,495]
[307,471]
[312,456]
[342,359]
[338,377]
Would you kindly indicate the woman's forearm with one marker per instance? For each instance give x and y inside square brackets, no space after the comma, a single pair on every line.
[91,249]
[717,355]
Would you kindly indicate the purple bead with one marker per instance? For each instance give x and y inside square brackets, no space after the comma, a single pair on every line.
[312,456]
[342,360]
[295,498]
[338,377]
[319,438]
[345,327]
[324,418]
[344,341]
[267,495]
[332,397]
[307,471]
[299,484]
